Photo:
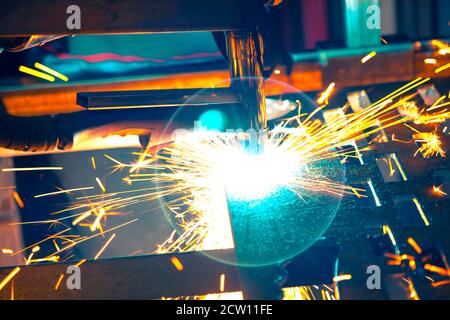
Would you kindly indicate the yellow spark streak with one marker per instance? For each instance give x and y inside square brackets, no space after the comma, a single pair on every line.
[79,263]
[105,246]
[399,166]
[18,199]
[48,259]
[387,230]
[438,190]
[62,191]
[422,213]
[12,290]
[444,67]
[96,223]
[35,249]
[177,263]
[7,251]
[59,281]
[56,244]
[51,71]
[100,184]
[342,277]
[94,165]
[414,245]
[368,57]
[31,169]
[9,277]
[436,103]
[36,73]
[222,282]
[325,95]
[81,217]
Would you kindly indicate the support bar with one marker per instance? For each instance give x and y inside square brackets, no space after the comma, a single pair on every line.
[37,17]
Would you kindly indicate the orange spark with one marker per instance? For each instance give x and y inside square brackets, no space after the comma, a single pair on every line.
[18,199]
[9,277]
[105,246]
[438,191]
[177,263]
[414,245]
[59,281]
[436,269]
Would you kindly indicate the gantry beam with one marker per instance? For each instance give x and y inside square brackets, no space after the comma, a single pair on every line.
[31,17]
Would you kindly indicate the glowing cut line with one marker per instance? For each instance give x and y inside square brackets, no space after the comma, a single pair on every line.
[51,71]
[62,191]
[18,199]
[31,169]
[36,73]
[422,213]
[375,196]
[222,282]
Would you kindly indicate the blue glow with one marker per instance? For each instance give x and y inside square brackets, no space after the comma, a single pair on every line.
[213,120]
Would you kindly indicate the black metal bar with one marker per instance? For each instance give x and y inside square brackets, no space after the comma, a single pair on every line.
[158,98]
[37,17]
[155,276]
[144,277]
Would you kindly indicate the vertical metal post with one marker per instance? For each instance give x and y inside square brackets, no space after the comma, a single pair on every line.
[246,76]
